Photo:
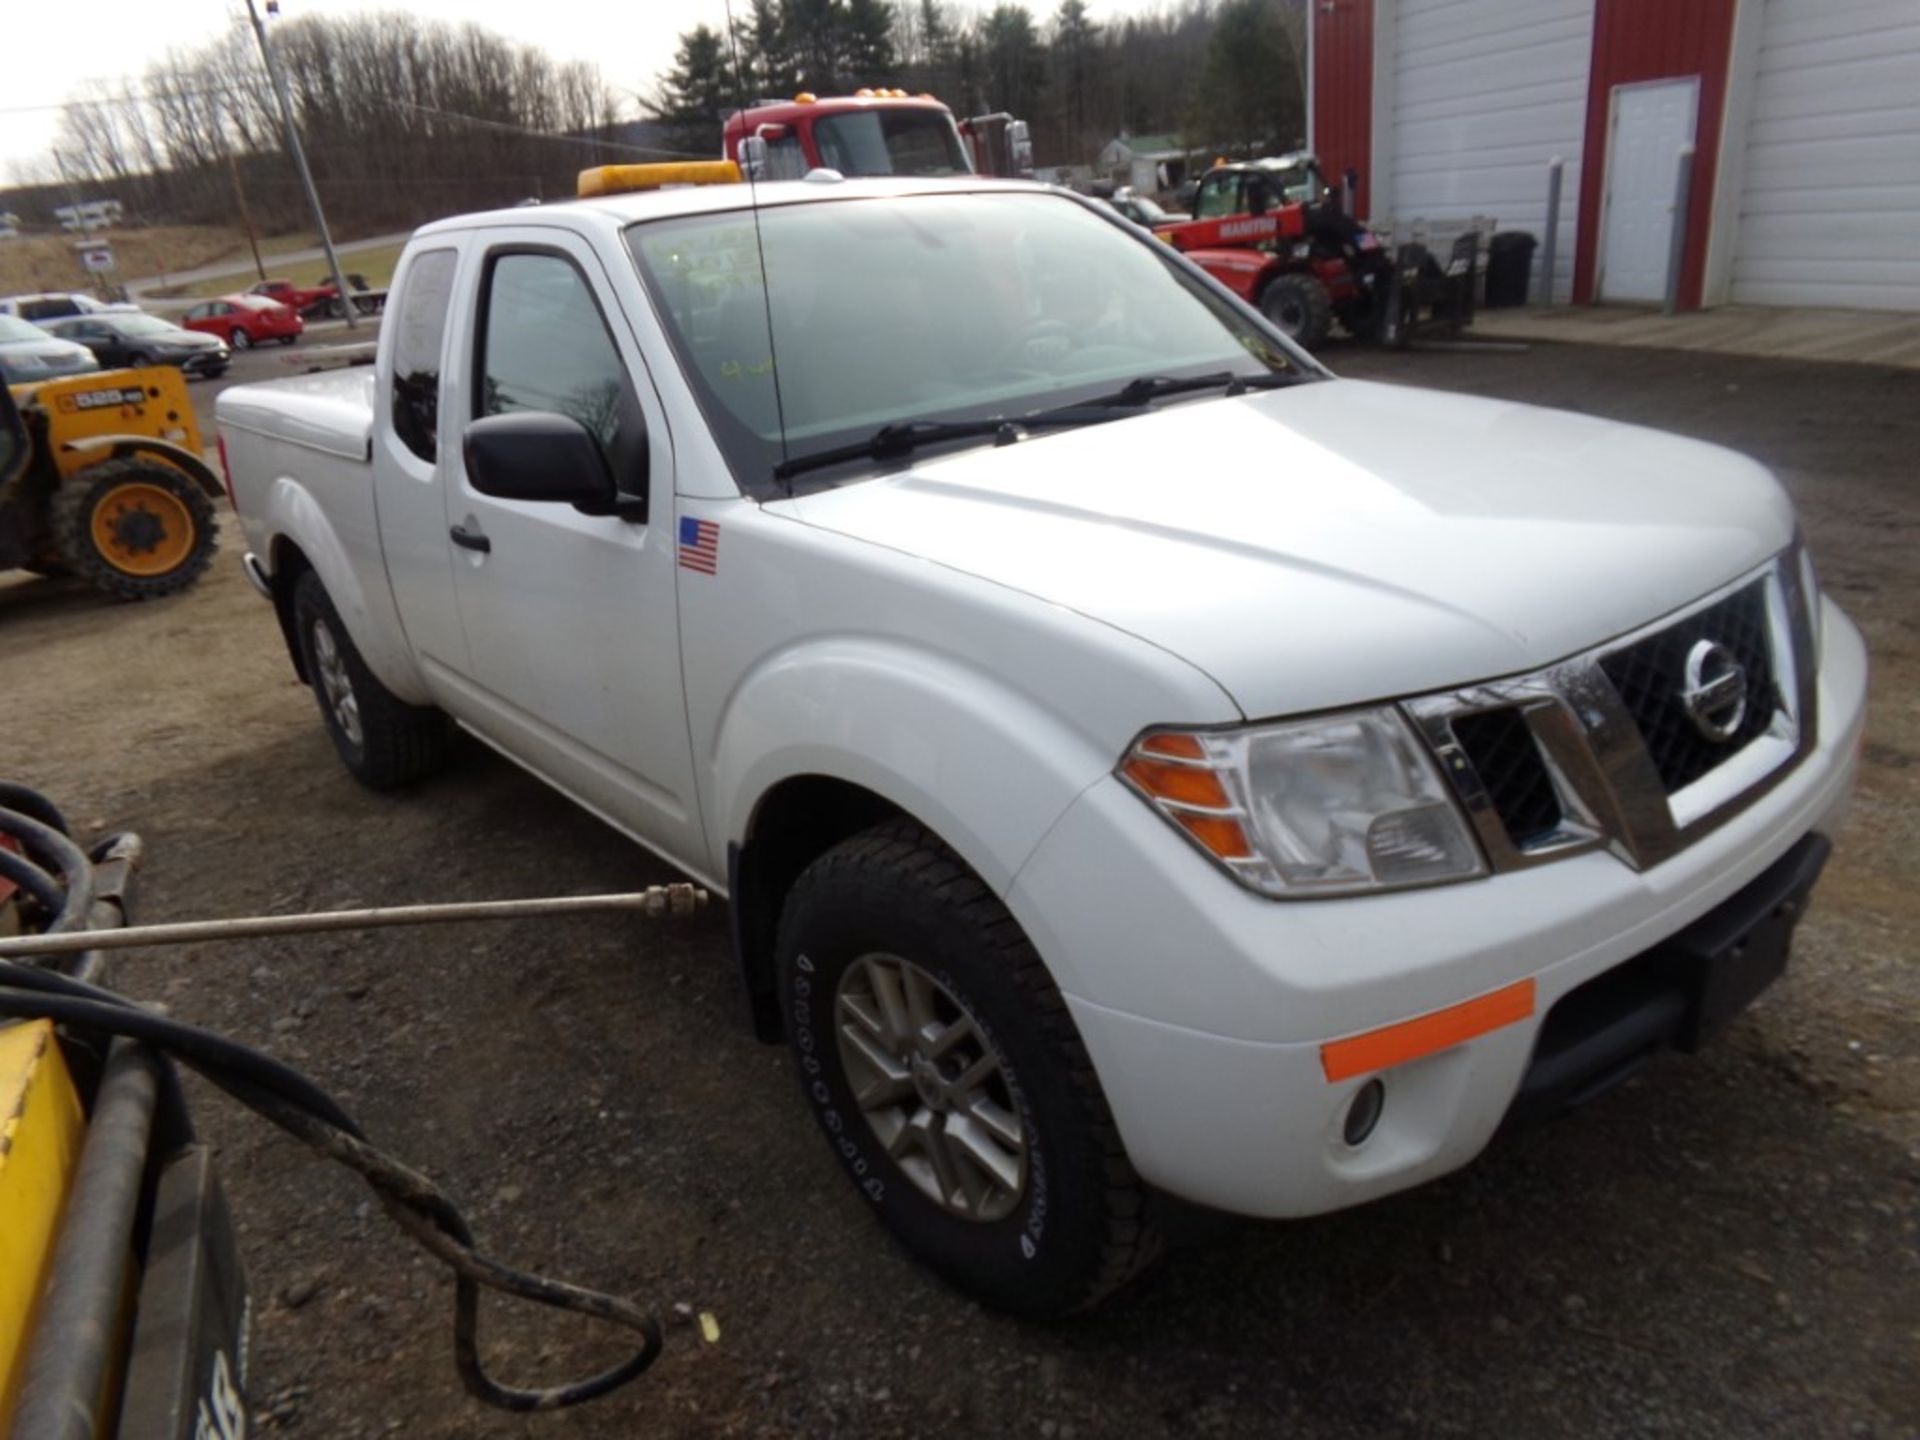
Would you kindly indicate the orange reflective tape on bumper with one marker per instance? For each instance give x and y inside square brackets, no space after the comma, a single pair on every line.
[1424,1034]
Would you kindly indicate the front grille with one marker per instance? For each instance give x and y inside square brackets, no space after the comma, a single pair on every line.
[1651,673]
[1512,771]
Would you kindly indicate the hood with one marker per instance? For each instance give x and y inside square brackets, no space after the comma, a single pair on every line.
[52,351]
[1339,541]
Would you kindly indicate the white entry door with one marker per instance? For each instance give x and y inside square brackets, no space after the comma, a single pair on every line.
[1651,125]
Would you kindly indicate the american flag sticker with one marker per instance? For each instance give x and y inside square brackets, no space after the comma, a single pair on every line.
[699,545]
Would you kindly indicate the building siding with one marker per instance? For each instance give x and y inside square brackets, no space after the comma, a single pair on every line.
[1343,91]
[1635,40]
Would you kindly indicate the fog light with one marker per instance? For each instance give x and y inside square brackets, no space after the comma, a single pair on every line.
[1364,1113]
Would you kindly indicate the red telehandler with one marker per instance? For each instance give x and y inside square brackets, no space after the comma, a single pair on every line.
[1274,233]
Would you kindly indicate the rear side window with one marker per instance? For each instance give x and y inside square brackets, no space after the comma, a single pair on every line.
[420,324]
[546,347]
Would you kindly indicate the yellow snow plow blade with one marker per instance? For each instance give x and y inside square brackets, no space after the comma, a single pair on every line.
[41,1125]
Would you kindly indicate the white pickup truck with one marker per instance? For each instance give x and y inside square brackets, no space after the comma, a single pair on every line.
[1137,760]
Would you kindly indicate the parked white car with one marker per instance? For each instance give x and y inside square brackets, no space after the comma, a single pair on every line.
[1137,759]
[61,304]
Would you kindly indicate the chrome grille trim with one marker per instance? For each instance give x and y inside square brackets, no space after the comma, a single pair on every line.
[1610,793]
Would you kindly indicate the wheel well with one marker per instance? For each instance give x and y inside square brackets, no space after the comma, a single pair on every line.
[288,563]
[794,824]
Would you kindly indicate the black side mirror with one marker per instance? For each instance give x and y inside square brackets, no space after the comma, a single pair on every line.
[14,444]
[540,455]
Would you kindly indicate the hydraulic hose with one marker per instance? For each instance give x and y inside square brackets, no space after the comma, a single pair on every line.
[295,1103]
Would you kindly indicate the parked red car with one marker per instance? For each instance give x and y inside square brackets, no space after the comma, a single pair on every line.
[301,299]
[245,320]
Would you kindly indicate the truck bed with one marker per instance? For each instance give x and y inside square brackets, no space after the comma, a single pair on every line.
[330,411]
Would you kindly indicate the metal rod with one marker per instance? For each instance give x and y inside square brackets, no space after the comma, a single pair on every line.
[1677,238]
[1548,251]
[62,1397]
[300,161]
[653,902]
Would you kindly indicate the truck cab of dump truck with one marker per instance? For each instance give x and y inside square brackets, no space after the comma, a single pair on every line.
[874,132]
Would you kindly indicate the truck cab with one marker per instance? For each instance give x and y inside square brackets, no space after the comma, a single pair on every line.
[873,133]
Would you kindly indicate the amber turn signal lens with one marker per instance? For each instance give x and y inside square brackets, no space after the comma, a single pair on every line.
[1219,833]
[1186,784]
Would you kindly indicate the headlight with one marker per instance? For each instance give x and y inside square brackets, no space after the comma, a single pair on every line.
[1328,806]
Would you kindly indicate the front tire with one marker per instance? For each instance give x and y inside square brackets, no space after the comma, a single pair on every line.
[940,1059]
[240,340]
[1300,307]
[134,528]
[382,740]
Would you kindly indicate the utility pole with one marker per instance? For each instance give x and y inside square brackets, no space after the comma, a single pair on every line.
[246,220]
[300,160]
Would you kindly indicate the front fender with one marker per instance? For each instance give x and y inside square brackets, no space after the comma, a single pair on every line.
[983,765]
[116,447]
[341,554]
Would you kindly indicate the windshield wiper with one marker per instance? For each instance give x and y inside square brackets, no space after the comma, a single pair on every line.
[902,437]
[1143,390]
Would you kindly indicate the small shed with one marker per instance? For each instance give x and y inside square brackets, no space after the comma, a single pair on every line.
[1151,164]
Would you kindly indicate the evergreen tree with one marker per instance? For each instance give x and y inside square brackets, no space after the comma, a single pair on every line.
[1249,101]
[868,42]
[816,35]
[1075,40]
[1014,61]
[696,93]
[764,52]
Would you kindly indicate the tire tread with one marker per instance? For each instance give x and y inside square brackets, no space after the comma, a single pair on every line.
[905,847]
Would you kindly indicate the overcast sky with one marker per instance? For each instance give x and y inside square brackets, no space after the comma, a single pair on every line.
[50,52]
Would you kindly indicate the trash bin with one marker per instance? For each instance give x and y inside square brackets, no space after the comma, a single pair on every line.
[1509,264]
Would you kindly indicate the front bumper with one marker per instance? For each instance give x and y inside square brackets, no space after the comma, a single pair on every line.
[203,363]
[1206,1008]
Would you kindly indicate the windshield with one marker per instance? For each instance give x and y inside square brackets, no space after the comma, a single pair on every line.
[255,302]
[142,325]
[890,142]
[15,329]
[1296,183]
[959,306]
[1149,211]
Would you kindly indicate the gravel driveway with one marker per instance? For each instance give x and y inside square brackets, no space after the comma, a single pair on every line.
[1730,1246]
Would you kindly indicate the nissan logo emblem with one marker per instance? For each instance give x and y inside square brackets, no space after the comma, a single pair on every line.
[1714,694]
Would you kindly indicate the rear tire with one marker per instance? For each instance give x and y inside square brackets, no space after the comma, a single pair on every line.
[382,740]
[134,528]
[1300,307]
[240,340]
[1014,1186]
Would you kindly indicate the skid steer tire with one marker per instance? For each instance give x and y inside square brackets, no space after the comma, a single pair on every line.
[135,528]
[1300,307]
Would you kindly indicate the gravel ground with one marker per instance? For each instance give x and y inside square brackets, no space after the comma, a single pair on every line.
[1729,1246]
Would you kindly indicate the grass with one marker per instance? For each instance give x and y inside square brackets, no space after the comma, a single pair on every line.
[377,265]
[48,262]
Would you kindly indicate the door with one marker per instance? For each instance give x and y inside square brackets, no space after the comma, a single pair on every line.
[1651,125]
[411,467]
[1483,94]
[571,621]
[1829,184]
